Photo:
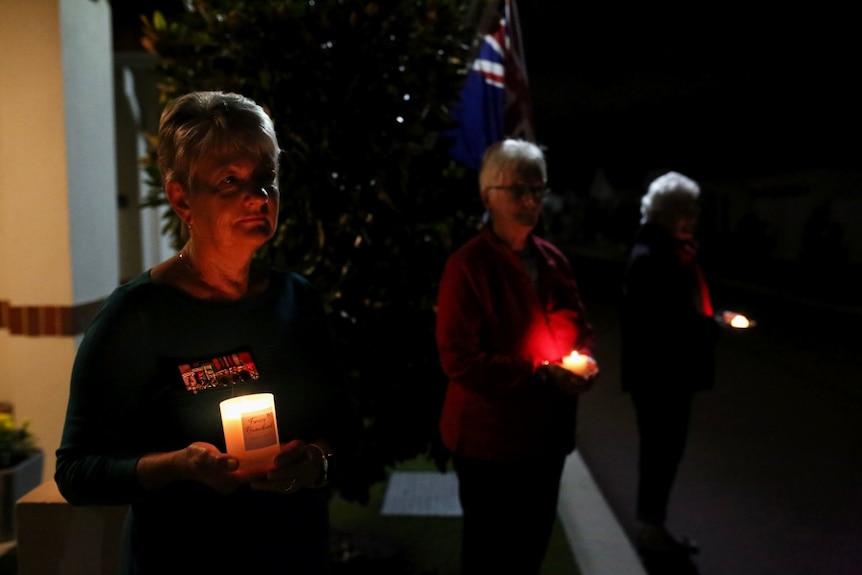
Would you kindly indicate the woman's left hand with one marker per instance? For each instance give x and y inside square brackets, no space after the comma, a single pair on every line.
[569,383]
[298,465]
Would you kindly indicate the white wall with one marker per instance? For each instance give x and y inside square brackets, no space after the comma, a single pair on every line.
[58,230]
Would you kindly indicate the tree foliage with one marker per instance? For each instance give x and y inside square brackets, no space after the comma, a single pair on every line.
[371,204]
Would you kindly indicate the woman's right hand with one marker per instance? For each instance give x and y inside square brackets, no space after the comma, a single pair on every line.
[204,463]
[567,382]
[200,462]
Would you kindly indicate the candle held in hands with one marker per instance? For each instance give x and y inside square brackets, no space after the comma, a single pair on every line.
[580,364]
[250,430]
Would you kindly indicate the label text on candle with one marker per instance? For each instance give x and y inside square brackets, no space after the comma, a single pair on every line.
[258,429]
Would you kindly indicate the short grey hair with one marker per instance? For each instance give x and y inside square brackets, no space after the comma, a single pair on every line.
[511,155]
[668,196]
[205,124]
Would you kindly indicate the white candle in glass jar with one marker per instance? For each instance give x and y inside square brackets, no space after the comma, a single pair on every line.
[250,430]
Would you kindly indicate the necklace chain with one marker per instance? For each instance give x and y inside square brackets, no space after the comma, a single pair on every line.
[184,257]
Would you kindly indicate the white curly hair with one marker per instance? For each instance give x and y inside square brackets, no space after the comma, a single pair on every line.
[669,196]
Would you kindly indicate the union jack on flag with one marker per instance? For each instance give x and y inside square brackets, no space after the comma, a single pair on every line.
[494,101]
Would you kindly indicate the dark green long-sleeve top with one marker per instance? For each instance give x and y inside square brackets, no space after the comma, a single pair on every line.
[149,376]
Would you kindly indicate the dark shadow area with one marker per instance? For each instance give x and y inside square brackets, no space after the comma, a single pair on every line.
[675,565]
[770,479]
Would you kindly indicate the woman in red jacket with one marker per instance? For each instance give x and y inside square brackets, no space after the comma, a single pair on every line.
[509,311]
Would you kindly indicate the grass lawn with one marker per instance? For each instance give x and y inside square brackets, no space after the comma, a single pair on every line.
[406,545]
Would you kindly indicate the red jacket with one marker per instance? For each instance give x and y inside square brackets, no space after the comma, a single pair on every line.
[493,329]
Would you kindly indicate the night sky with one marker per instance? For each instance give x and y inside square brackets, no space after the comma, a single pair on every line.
[719,95]
[711,92]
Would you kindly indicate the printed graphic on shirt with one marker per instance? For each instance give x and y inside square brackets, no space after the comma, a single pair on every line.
[221,371]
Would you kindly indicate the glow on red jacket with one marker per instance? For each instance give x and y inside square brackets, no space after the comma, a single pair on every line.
[493,329]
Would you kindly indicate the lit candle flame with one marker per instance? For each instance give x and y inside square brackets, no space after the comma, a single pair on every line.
[736,320]
[579,364]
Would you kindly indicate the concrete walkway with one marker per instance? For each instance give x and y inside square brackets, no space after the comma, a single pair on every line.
[598,542]
[771,482]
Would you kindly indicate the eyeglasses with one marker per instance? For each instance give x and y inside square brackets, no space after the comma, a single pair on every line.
[518,192]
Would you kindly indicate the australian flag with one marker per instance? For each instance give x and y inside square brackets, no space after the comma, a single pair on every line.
[494,101]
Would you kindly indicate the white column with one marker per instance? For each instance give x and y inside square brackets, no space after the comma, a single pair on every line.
[142,243]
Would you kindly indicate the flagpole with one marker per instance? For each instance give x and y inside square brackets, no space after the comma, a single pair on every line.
[519,120]
[489,15]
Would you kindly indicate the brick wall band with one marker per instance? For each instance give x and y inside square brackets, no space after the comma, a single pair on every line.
[47,320]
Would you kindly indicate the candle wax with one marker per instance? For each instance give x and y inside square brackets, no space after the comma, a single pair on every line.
[250,430]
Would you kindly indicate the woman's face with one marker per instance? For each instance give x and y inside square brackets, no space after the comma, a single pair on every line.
[680,220]
[234,202]
[515,198]
[683,229]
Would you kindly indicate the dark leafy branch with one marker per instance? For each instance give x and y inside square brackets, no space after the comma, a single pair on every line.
[371,204]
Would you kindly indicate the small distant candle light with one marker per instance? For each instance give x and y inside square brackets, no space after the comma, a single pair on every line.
[736,320]
[250,430]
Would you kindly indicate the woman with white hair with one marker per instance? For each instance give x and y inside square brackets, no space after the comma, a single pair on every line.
[667,353]
[508,312]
